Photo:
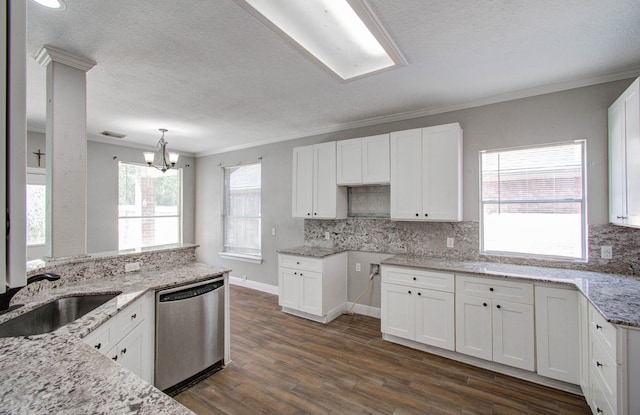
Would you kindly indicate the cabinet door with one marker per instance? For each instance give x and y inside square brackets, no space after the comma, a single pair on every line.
[302,191]
[310,293]
[583,312]
[632,152]
[397,311]
[375,159]
[617,187]
[442,173]
[289,288]
[324,181]
[406,175]
[557,325]
[473,326]
[130,351]
[435,323]
[513,334]
[349,163]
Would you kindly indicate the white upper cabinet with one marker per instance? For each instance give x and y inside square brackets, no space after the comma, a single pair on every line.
[363,161]
[426,174]
[624,158]
[315,193]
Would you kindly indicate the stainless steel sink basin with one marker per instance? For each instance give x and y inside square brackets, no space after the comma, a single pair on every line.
[53,315]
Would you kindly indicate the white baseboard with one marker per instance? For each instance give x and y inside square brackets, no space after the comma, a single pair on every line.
[260,286]
[364,310]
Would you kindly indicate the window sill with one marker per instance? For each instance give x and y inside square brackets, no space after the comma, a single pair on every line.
[240,257]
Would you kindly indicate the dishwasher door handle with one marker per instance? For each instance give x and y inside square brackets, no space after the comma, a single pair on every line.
[185,293]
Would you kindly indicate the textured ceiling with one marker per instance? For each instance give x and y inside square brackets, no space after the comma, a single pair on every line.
[218,79]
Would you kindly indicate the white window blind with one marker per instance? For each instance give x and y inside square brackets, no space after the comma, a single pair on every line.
[533,201]
[242,210]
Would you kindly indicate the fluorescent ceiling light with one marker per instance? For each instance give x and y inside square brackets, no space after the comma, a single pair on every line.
[52,4]
[344,35]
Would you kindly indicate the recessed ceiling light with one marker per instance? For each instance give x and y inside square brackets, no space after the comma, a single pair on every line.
[52,4]
[344,35]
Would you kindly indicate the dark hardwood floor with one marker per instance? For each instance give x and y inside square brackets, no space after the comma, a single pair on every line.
[287,365]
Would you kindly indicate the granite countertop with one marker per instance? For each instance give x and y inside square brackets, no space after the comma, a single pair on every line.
[58,373]
[617,297]
[309,251]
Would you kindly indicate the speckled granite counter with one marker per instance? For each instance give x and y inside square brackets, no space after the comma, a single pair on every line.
[308,251]
[59,373]
[616,296]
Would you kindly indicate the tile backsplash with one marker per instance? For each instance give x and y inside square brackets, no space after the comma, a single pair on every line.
[430,239]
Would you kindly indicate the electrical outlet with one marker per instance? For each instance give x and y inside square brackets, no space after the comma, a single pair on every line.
[358,268]
[131,267]
[273,231]
[606,252]
[327,236]
[449,242]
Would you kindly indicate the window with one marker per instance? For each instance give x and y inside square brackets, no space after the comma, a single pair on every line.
[149,206]
[242,212]
[36,212]
[533,201]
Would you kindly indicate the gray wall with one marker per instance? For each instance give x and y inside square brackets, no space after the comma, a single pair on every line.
[568,115]
[102,190]
[35,142]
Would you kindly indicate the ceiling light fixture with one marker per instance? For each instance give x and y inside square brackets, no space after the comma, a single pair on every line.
[52,4]
[344,35]
[168,160]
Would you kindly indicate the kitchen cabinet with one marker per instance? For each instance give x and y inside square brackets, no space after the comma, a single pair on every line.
[426,174]
[363,161]
[412,309]
[557,333]
[127,337]
[613,366]
[624,158]
[494,320]
[315,193]
[313,288]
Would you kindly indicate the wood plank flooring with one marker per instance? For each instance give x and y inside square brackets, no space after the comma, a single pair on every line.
[287,365]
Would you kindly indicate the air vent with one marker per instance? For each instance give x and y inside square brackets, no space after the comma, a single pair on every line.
[112,134]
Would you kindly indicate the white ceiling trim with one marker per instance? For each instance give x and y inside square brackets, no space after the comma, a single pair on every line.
[525,93]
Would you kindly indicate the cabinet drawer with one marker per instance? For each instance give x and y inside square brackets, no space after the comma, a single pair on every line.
[518,292]
[419,278]
[603,330]
[600,405]
[127,319]
[101,338]
[301,262]
[604,367]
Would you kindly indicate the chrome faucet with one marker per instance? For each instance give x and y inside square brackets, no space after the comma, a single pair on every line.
[5,298]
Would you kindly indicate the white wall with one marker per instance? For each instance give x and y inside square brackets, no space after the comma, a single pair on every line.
[568,115]
[102,190]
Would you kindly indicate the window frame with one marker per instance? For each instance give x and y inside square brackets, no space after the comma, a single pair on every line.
[180,206]
[583,201]
[238,256]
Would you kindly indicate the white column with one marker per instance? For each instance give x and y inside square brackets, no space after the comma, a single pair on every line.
[66,143]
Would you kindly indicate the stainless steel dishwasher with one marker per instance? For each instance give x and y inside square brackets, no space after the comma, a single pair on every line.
[189,333]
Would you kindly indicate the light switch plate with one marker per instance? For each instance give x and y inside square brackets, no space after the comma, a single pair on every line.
[131,267]
[606,252]
[327,236]
[358,267]
[450,242]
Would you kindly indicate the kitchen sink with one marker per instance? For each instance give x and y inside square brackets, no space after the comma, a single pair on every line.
[53,315]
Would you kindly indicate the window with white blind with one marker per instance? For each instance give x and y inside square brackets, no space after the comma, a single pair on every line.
[242,212]
[533,201]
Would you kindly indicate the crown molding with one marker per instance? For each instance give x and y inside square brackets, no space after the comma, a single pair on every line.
[48,54]
[425,112]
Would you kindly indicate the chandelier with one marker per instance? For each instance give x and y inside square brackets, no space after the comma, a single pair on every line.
[168,160]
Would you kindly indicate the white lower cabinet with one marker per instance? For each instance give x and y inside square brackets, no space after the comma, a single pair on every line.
[413,312]
[313,288]
[557,333]
[127,337]
[492,328]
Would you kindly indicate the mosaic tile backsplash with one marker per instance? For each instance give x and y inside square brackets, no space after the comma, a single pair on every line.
[429,239]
